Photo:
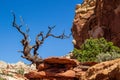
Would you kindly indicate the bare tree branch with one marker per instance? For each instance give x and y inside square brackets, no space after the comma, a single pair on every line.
[40,38]
[26,45]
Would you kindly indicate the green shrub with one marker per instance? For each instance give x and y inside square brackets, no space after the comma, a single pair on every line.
[9,75]
[107,56]
[2,78]
[96,50]
[21,71]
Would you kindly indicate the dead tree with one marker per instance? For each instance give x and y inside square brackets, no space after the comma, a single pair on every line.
[40,38]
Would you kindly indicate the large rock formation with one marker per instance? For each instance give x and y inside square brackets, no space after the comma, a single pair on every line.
[55,68]
[109,70]
[97,18]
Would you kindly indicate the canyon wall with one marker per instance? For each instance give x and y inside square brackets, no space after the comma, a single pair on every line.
[97,18]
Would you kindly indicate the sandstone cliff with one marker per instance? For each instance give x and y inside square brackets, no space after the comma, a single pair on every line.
[97,18]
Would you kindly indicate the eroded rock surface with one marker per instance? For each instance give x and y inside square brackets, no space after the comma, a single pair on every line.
[66,70]
[80,27]
[97,18]
[109,70]
[56,68]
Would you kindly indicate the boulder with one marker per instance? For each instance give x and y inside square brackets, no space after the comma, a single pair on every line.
[60,60]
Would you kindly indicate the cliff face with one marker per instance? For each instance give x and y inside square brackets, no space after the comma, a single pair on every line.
[97,18]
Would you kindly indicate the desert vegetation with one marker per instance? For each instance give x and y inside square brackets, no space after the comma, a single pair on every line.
[97,50]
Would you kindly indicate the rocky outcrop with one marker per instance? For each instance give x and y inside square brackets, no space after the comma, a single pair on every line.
[55,68]
[82,15]
[97,18]
[109,70]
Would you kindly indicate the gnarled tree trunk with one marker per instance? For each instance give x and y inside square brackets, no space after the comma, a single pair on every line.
[40,38]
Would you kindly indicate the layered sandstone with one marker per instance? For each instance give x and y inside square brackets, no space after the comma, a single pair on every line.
[97,18]
[69,69]
[109,70]
[55,68]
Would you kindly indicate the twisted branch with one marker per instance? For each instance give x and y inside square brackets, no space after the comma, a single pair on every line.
[40,38]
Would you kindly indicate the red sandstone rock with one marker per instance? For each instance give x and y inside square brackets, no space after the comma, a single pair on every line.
[80,24]
[109,70]
[102,19]
[60,60]
[89,63]
[67,74]
[42,66]
[55,68]
[46,74]
[35,74]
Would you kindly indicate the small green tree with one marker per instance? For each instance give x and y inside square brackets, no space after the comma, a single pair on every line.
[96,50]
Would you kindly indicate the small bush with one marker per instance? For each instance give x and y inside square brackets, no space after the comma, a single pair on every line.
[96,50]
[21,71]
[9,75]
[107,56]
[2,78]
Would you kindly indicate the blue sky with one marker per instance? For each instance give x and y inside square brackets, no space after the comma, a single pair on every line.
[38,15]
